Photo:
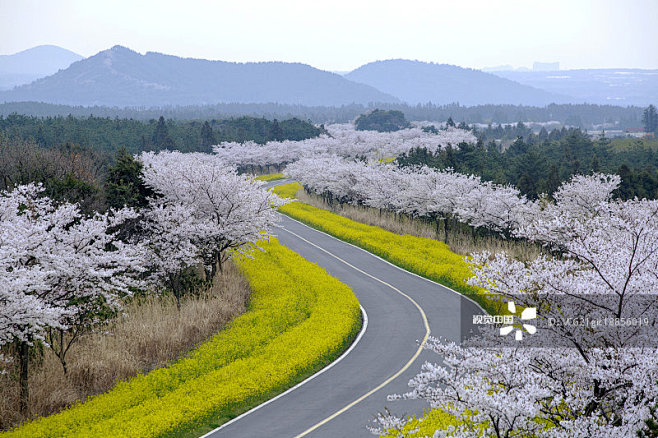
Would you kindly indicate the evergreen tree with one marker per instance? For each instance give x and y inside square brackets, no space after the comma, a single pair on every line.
[382,121]
[596,166]
[276,133]
[124,185]
[527,186]
[650,119]
[207,137]
[625,189]
[553,182]
[161,139]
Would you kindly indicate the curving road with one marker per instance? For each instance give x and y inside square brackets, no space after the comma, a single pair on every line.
[341,400]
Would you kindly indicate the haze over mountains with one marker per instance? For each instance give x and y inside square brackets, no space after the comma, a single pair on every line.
[31,64]
[420,82]
[124,78]
[617,86]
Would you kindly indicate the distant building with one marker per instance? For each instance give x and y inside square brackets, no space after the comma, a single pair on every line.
[608,133]
[639,133]
[546,66]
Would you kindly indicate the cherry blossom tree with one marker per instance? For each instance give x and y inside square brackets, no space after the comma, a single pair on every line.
[170,235]
[342,140]
[590,369]
[58,268]
[228,212]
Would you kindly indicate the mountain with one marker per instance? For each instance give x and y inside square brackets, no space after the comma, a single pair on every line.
[31,64]
[122,77]
[601,86]
[421,82]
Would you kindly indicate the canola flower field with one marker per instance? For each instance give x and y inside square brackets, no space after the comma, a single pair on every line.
[270,177]
[300,319]
[428,258]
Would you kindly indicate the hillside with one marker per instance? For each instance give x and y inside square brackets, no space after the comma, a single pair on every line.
[122,77]
[420,82]
[37,62]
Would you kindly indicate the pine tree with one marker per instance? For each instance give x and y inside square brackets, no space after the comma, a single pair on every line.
[276,132]
[650,119]
[553,182]
[625,190]
[207,137]
[161,138]
[124,185]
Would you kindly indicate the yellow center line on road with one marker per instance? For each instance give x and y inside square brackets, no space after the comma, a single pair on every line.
[400,371]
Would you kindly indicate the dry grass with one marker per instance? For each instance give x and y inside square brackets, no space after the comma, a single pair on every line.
[462,240]
[151,334]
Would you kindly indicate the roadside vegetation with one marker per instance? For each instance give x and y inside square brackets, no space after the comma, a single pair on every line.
[427,257]
[151,333]
[462,241]
[299,320]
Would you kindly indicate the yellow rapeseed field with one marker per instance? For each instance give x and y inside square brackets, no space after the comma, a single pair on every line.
[270,177]
[300,317]
[426,257]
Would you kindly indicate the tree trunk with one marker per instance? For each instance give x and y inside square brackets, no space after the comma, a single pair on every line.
[24,358]
[62,357]
[174,284]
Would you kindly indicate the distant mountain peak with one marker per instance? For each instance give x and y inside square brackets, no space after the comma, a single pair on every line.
[122,77]
[421,82]
[28,65]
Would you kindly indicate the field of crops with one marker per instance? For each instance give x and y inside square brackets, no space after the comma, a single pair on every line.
[300,319]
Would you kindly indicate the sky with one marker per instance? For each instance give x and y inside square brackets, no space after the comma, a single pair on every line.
[340,35]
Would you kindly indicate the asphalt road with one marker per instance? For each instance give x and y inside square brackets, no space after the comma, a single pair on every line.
[395,329]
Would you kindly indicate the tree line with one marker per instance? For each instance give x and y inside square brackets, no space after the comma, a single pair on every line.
[539,163]
[89,161]
[581,115]
[109,134]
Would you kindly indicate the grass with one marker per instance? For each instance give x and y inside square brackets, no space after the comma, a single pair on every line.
[151,334]
[299,319]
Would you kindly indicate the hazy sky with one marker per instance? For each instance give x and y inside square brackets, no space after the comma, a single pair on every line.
[343,34]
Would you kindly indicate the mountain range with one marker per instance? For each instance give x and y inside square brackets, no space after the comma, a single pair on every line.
[124,78]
